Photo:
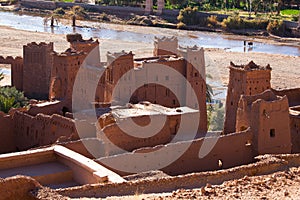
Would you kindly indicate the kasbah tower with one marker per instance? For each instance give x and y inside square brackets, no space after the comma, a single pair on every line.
[249,79]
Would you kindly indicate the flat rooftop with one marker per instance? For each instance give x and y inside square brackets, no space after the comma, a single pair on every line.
[146,108]
[56,167]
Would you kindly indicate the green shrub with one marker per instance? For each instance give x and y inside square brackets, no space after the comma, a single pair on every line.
[10,97]
[189,16]
[236,22]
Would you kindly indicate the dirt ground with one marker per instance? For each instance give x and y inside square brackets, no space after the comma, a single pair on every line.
[276,186]
[285,72]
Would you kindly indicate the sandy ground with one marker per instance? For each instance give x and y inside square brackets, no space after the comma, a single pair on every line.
[285,72]
[276,186]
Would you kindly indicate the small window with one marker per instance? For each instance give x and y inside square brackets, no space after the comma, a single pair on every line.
[174,102]
[272,132]
[167,78]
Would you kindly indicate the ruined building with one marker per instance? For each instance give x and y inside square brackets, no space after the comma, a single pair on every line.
[249,79]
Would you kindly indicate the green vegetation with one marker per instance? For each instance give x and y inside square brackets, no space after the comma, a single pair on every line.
[289,12]
[217,118]
[10,97]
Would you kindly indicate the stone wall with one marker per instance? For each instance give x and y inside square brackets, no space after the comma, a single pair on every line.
[231,150]
[7,142]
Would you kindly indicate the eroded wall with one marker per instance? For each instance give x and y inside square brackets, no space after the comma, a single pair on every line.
[7,142]
[34,131]
[230,150]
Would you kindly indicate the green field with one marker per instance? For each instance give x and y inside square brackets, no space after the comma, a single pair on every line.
[289,12]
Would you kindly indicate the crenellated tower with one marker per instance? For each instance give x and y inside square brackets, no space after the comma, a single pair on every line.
[196,76]
[37,69]
[165,46]
[250,79]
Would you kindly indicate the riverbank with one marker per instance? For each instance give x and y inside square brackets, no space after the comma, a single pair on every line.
[160,22]
[285,73]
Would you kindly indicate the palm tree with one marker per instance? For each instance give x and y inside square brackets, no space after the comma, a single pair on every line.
[53,17]
[75,13]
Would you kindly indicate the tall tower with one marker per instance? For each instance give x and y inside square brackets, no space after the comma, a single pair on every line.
[37,69]
[165,46]
[249,79]
[196,76]
[117,65]
[65,68]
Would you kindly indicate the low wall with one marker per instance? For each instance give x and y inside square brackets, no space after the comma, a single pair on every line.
[292,95]
[266,165]
[47,108]
[231,150]
[7,142]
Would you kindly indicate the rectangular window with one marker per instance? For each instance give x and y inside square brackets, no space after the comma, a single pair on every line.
[272,132]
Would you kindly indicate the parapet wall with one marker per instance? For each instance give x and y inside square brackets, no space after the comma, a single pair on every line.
[230,150]
[16,70]
[34,131]
[292,95]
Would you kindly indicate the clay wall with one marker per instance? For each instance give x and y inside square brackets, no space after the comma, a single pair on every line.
[39,130]
[65,68]
[129,143]
[37,69]
[16,70]
[295,128]
[157,93]
[7,142]
[47,108]
[238,144]
[292,94]
[268,117]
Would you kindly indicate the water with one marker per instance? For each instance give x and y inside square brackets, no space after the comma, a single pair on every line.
[5,71]
[204,39]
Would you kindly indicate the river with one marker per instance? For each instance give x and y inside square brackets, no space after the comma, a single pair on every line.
[100,30]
